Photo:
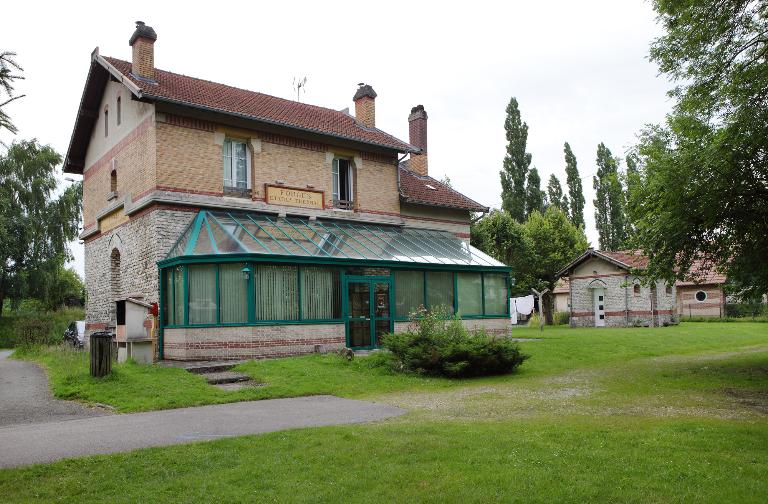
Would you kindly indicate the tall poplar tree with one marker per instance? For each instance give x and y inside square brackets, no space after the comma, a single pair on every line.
[535,199]
[609,203]
[555,194]
[516,163]
[575,190]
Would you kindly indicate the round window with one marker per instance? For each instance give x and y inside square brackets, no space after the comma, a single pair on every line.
[701,296]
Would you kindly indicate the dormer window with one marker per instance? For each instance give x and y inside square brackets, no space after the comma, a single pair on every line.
[236,176]
[342,184]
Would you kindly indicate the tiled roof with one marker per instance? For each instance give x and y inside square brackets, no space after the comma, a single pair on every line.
[213,96]
[424,190]
[563,286]
[702,273]
[630,258]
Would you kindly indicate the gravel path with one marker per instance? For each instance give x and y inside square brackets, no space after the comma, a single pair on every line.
[25,397]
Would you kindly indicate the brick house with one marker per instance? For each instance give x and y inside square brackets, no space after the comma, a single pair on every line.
[264,226]
[606,290]
[701,295]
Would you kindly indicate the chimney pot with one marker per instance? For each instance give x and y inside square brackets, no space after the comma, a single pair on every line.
[417,129]
[365,105]
[143,43]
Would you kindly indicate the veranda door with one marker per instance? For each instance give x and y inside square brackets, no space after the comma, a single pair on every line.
[368,315]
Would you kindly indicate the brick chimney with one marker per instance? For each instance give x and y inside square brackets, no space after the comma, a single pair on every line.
[143,44]
[417,126]
[365,105]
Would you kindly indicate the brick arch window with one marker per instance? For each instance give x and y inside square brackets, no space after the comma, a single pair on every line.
[636,289]
[113,181]
[106,122]
[119,111]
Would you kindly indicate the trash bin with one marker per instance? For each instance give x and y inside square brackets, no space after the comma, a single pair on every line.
[101,353]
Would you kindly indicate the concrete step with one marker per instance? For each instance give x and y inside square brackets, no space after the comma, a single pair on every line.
[219,377]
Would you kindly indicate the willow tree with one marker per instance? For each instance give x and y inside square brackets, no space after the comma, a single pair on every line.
[35,224]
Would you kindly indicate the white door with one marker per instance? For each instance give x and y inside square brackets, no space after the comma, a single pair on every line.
[599,307]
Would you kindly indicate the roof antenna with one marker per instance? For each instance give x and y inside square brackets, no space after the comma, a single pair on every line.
[298,86]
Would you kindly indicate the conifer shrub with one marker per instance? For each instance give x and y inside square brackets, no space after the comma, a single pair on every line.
[441,346]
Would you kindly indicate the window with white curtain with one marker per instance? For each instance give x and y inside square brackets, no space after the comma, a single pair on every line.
[233,293]
[202,294]
[276,292]
[320,294]
[236,165]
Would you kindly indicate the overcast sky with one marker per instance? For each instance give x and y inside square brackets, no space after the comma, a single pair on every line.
[578,69]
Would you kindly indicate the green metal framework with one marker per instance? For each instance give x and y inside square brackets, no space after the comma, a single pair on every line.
[220,233]
[216,237]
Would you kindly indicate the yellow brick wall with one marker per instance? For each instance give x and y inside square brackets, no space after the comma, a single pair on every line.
[134,160]
[296,166]
[188,159]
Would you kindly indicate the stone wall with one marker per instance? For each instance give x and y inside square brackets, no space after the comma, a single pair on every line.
[139,243]
[251,342]
[623,305]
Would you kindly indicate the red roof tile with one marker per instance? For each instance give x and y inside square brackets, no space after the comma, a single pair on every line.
[209,95]
[424,190]
[702,273]
[630,258]
[563,286]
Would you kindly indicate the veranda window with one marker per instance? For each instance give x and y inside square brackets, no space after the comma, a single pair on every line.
[277,292]
[202,294]
[233,293]
[440,290]
[470,293]
[320,294]
[235,165]
[342,184]
[409,292]
[495,286]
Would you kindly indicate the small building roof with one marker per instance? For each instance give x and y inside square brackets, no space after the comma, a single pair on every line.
[563,286]
[425,190]
[701,272]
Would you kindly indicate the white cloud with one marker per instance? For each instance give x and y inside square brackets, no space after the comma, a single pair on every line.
[578,69]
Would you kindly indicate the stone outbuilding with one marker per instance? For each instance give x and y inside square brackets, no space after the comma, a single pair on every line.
[606,289]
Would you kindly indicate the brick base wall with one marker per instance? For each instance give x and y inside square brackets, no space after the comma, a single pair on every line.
[493,326]
[251,342]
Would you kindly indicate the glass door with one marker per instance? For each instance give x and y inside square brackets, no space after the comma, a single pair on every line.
[368,311]
[358,314]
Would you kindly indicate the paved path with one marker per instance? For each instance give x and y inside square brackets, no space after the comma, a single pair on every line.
[26,398]
[46,442]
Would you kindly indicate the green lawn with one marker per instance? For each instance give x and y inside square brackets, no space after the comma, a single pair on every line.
[629,415]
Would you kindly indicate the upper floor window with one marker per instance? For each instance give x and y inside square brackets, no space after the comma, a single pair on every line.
[343,193]
[106,123]
[113,181]
[119,112]
[236,179]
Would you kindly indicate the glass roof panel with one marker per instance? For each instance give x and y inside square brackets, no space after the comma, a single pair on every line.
[221,232]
